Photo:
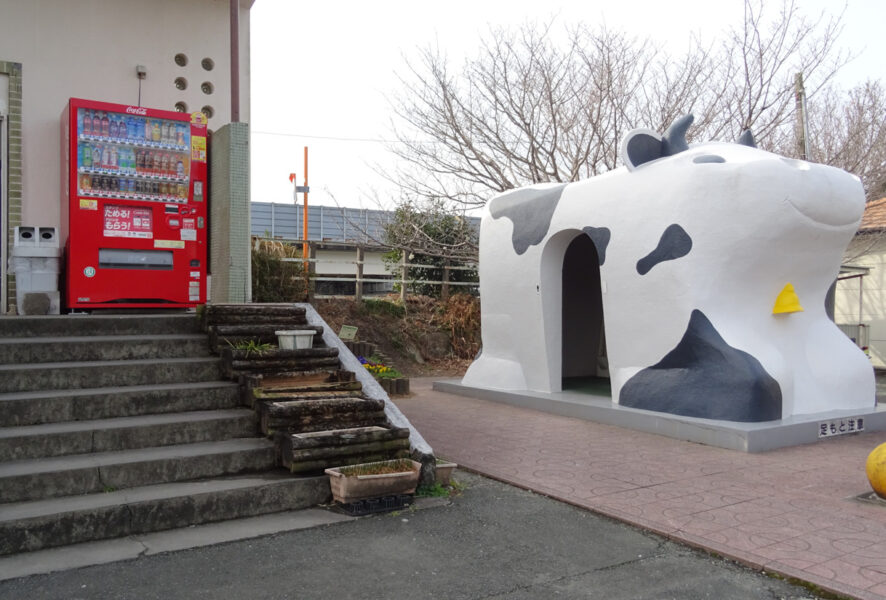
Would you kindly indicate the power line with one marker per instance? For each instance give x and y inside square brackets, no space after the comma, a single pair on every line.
[331,137]
[346,139]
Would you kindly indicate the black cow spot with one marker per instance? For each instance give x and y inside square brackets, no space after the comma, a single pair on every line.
[705,377]
[600,236]
[530,210]
[674,243]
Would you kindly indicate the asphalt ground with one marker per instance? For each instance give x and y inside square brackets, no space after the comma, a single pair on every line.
[491,541]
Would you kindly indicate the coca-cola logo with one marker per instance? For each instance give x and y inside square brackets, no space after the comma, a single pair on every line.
[137,110]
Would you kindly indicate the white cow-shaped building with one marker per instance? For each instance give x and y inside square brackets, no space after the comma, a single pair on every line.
[695,278]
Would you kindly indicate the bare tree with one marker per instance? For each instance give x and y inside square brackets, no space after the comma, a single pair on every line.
[528,109]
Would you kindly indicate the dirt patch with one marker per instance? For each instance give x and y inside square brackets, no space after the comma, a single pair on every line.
[425,337]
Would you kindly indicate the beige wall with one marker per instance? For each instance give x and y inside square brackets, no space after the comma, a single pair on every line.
[868,252]
[90,48]
[340,262]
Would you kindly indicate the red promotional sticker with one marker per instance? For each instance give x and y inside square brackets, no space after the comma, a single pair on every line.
[126,221]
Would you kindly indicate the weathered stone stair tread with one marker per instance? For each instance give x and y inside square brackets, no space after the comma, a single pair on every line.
[279,355]
[123,433]
[322,405]
[92,374]
[264,328]
[272,379]
[306,394]
[85,473]
[260,310]
[115,339]
[308,452]
[110,364]
[101,459]
[27,526]
[42,350]
[340,437]
[122,422]
[59,325]
[120,389]
[36,508]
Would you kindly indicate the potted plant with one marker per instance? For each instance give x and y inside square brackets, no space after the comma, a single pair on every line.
[373,480]
[444,471]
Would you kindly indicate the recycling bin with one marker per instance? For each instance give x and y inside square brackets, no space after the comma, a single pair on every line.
[35,261]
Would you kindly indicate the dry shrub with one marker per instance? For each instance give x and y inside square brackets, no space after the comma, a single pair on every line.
[461,316]
[272,279]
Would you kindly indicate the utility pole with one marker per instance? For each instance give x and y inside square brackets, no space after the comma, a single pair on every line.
[802,126]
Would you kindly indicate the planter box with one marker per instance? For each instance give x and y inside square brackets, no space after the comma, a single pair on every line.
[295,339]
[444,472]
[398,386]
[358,487]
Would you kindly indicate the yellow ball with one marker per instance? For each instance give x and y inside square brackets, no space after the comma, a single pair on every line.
[876,470]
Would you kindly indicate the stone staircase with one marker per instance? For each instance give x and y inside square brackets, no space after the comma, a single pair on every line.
[121,424]
[314,411]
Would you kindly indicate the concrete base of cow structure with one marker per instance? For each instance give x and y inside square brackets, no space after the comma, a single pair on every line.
[694,278]
[744,437]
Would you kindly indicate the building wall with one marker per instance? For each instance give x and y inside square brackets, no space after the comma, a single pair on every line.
[90,49]
[870,252]
[341,262]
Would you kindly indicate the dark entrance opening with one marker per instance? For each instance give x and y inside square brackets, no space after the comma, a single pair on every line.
[585,365]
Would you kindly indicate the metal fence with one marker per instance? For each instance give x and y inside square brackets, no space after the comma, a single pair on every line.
[325,223]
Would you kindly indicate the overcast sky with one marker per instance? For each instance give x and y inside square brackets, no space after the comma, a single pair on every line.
[322,71]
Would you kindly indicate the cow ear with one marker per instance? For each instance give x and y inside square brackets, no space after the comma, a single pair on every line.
[640,146]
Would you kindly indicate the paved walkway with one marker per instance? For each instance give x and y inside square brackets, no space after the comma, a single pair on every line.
[792,511]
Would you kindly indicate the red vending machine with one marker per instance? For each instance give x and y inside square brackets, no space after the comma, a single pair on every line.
[134,205]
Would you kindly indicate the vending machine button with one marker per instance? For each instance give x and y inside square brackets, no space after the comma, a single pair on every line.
[174,223]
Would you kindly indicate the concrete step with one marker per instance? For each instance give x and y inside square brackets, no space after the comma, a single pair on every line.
[45,523]
[126,433]
[32,479]
[97,374]
[34,408]
[99,324]
[101,347]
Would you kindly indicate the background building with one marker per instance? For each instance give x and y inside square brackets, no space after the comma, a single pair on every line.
[52,50]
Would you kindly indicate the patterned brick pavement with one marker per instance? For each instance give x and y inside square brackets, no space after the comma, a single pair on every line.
[790,511]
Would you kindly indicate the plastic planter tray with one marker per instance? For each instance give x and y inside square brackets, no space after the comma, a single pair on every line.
[370,506]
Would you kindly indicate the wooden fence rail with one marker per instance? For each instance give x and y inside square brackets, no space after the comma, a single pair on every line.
[358,262]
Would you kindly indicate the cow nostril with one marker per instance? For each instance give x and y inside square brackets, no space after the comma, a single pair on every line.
[708,158]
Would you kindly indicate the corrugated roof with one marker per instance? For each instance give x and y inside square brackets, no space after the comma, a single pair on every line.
[874,216]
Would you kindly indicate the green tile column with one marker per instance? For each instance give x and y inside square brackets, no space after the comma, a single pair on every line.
[229,248]
[13,218]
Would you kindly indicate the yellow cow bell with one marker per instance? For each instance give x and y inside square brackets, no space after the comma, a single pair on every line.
[787,301]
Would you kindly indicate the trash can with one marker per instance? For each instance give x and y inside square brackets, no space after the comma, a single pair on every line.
[35,262]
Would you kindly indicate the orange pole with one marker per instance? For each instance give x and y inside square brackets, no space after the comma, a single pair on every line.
[304,247]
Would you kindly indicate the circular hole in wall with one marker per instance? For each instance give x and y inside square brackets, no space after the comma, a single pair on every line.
[181,59]
[181,107]
[208,111]
[208,64]
[207,87]
[181,83]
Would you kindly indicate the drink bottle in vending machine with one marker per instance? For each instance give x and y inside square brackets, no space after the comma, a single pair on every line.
[136,231]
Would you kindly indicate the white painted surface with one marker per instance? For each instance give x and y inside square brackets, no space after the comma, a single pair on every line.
[343,262]
[846,309]
[90,50]
[757,221]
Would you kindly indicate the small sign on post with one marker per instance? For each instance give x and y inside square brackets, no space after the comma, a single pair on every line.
[348,332]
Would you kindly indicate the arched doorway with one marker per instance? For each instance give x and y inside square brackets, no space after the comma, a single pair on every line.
[584,363]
